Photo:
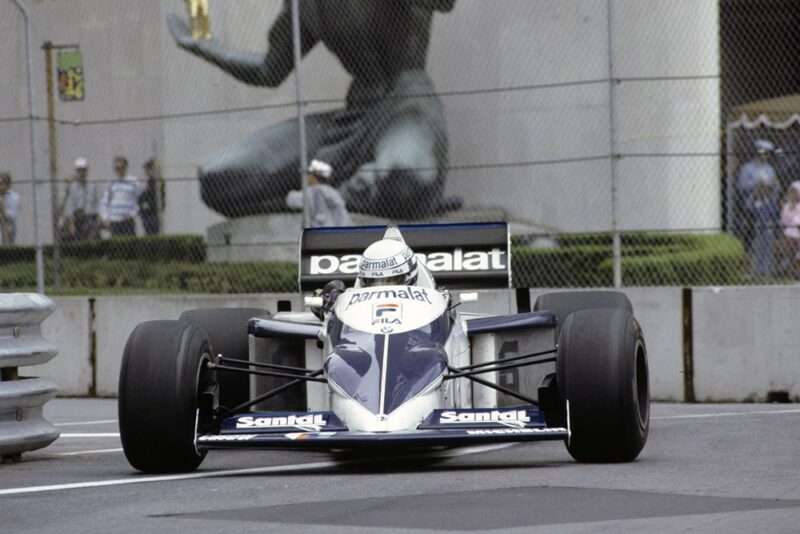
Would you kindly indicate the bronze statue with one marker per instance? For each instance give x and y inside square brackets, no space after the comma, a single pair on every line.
[388,145]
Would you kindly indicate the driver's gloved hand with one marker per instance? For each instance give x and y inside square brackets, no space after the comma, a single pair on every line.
[317,311]
[330,293]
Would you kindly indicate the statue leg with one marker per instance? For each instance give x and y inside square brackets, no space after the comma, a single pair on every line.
[254,175]
[405,179]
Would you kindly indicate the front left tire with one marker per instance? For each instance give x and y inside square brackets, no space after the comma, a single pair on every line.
[162,376]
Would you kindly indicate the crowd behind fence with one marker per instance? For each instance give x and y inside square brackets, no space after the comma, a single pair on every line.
[614,155]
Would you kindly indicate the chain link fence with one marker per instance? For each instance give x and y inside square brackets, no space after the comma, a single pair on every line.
[762,138]
[608,133]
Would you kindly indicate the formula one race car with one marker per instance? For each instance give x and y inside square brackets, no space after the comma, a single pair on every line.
[389,367]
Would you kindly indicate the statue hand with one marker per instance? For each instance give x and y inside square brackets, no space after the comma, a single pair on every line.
[182,33]
[247,67]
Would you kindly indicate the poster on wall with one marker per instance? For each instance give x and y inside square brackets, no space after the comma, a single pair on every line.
[69,64]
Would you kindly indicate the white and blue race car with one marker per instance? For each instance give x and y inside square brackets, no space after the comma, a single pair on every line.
[389,368]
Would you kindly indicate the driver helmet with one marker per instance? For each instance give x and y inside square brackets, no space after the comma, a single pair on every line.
[388,262]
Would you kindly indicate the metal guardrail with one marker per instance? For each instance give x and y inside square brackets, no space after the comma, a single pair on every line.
[22,424]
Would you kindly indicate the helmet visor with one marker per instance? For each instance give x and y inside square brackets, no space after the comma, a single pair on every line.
[397,280]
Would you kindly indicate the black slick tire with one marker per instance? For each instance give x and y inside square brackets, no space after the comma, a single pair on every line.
[163,372]
[603,380]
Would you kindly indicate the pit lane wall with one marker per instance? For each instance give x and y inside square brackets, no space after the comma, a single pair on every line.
[738,344]
[22,398]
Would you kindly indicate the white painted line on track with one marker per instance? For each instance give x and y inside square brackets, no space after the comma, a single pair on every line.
[727,414]
[78,453]
[167,478]
[90,435]
[81,423]
[230,472]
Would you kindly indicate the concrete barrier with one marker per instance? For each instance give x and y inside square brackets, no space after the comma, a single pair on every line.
[72,329]
[745,343]
[94,332]
[22,425]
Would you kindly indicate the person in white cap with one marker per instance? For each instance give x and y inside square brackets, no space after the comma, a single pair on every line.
[80,205]
[757,170]
[325,204]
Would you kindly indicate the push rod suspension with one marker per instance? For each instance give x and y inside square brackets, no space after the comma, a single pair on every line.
[271,393]
[459,373]
[310,378]
[497,387]
[223,360]
[508,360]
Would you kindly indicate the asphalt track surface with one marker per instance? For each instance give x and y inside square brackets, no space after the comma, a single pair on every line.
[706,468]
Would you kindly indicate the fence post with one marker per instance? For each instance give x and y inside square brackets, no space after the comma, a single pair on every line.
[617,241]
[301,119]
[52,137]
[22,399]
[32,132]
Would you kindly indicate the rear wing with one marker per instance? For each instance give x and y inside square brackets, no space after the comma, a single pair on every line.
[460,256]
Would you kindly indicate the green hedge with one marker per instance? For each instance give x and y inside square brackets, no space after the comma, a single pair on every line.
[132,276]
[176,264]
[585,260]
[182,248]
[173,264]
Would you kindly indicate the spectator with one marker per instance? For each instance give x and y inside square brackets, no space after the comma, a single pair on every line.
[149,205]
[80,205]
[758,168]
[765,216]
[9,209]
[120,204]
[790,222]
[325,204]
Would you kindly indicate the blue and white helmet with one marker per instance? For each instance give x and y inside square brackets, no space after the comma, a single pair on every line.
[388,262]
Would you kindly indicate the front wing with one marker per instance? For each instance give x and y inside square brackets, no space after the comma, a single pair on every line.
[324,431]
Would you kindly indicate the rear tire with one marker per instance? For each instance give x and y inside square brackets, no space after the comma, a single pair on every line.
[603,376]
[566,302]
[162,375]
[227,332]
